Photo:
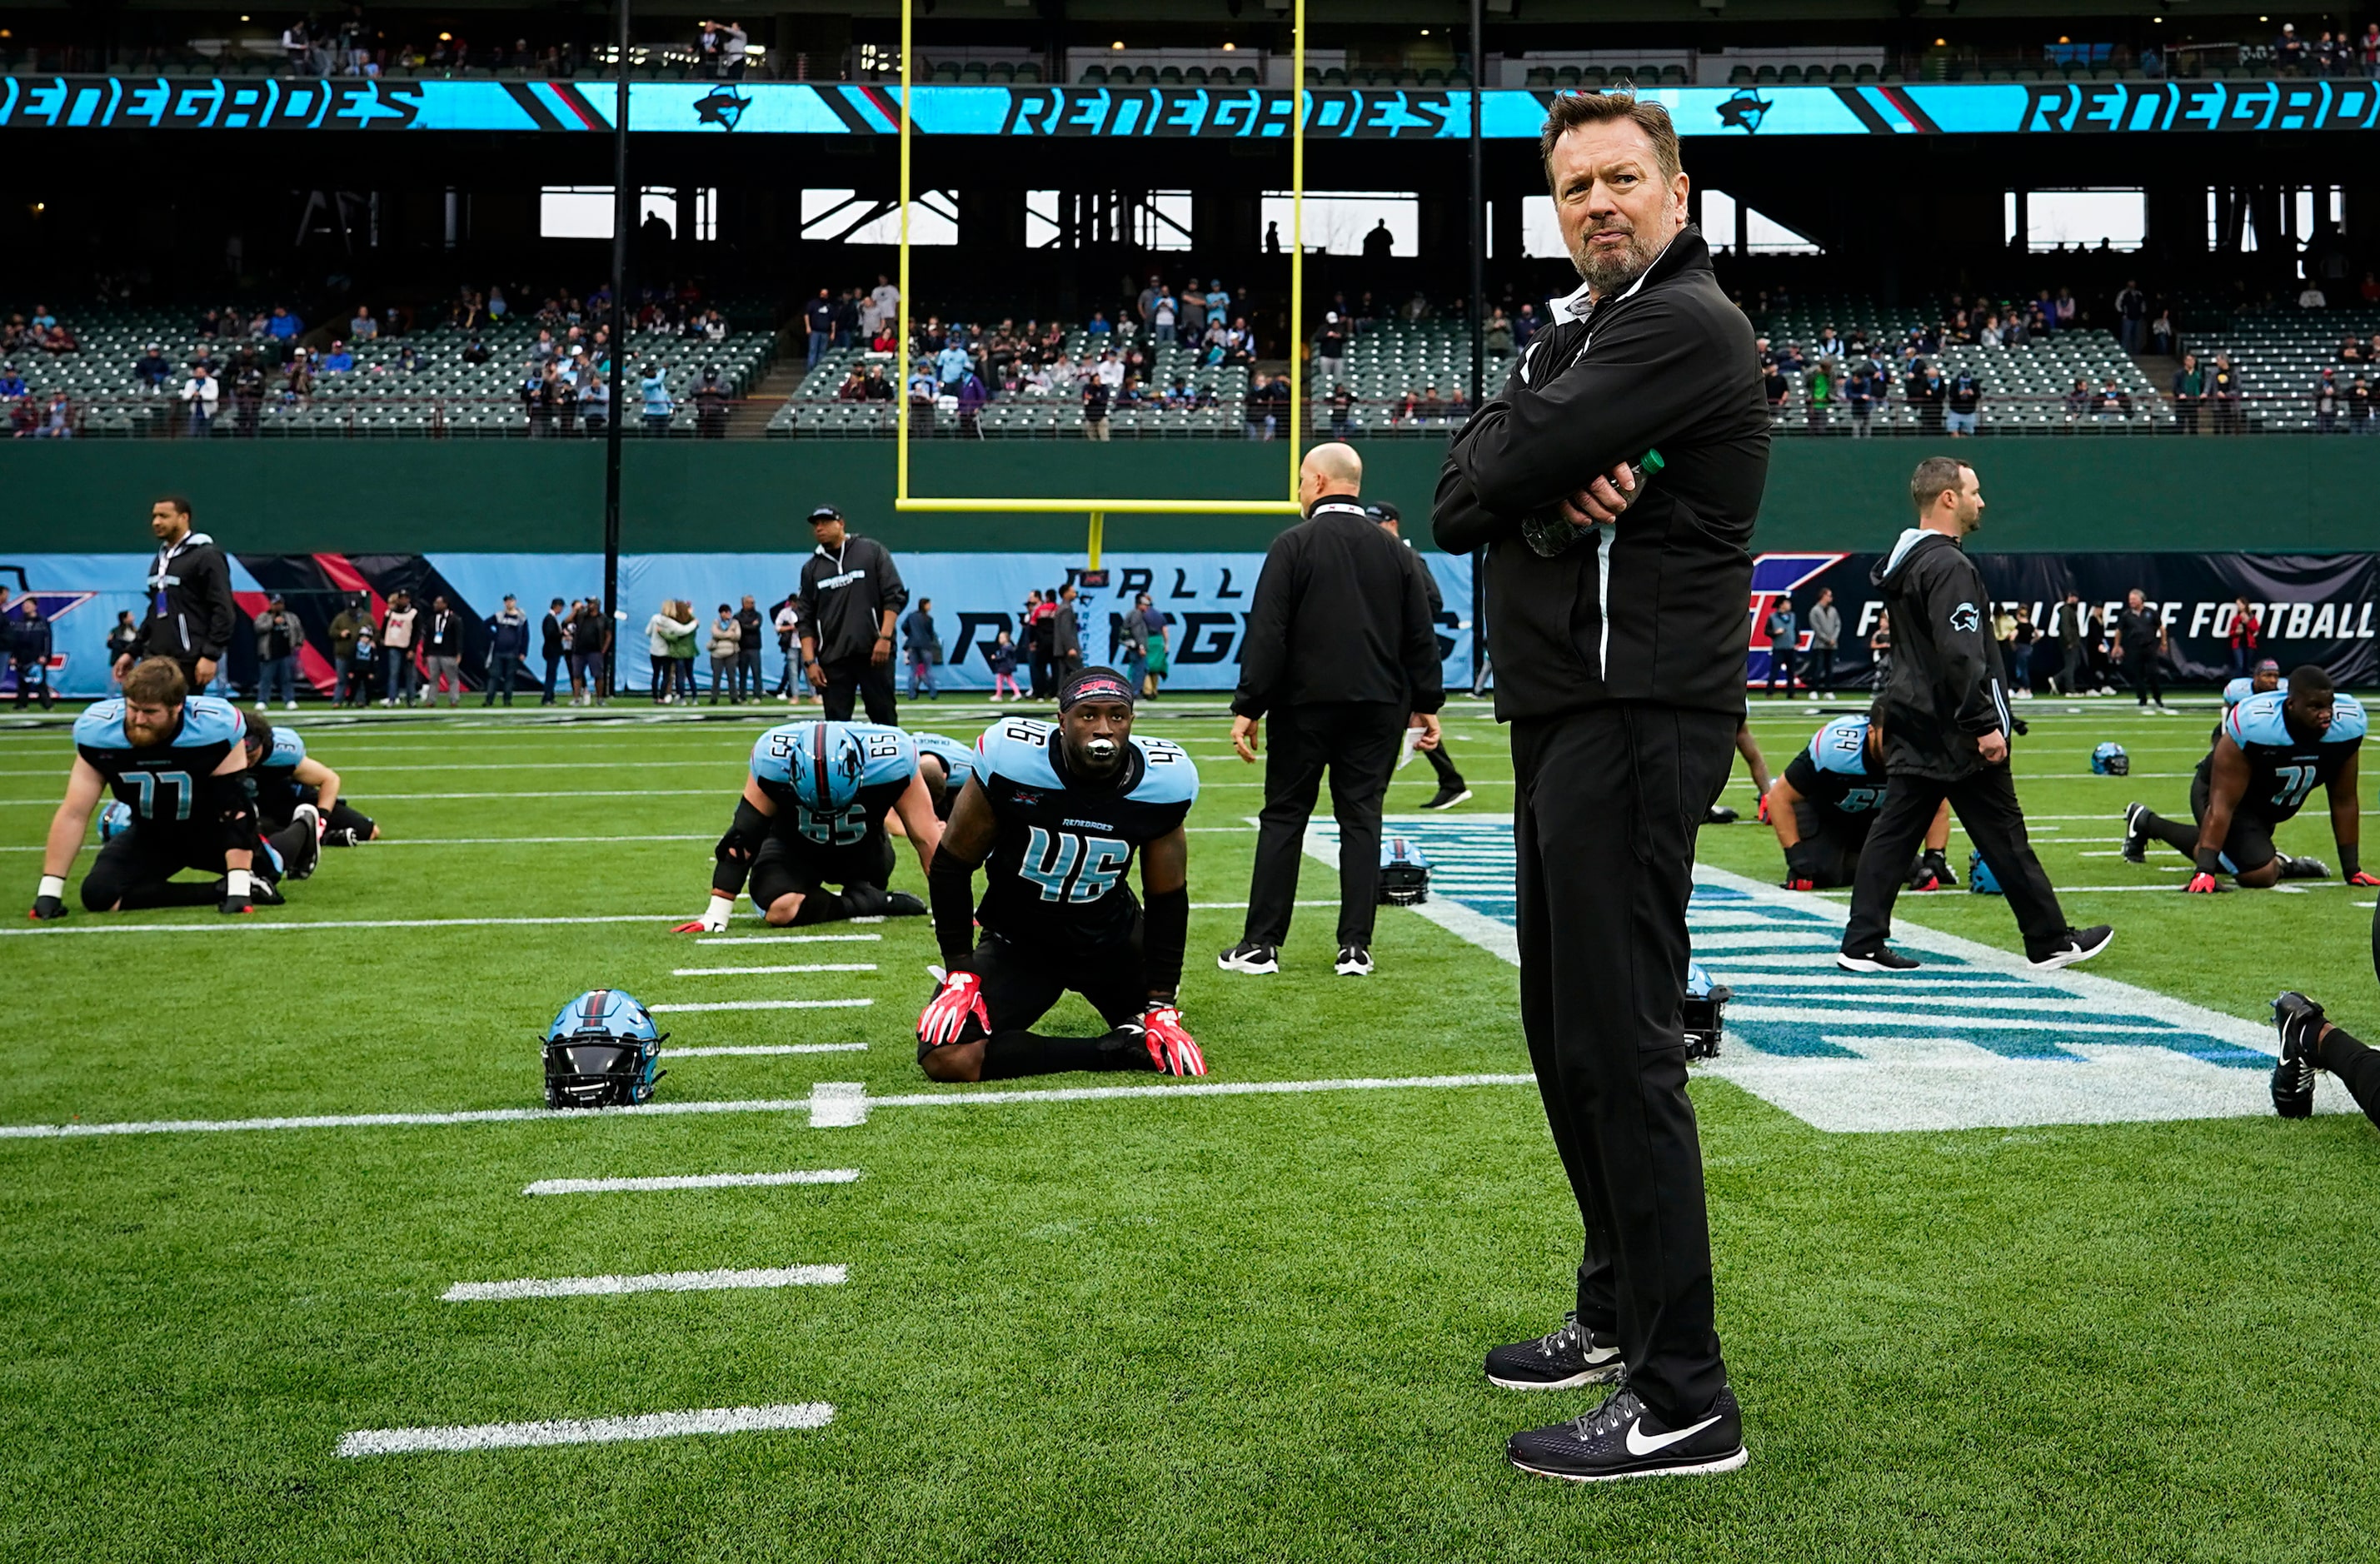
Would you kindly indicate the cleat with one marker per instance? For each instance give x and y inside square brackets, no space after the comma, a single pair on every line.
[309,843]
[2136,838]
[2303,868]
[1720,814]
[2300,1022]
[1624,1439]
[1447,797]
[1250,957]
[341,836]
[2074,945]
[1941,867]
[262,893]
[1881,959]
[1355,960]
[901,903]
[1564,1360]
[1922,878]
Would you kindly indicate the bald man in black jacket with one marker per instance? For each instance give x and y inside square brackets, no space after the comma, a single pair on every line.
[1618,622]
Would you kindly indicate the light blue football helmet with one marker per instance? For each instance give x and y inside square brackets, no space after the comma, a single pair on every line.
[603,1051]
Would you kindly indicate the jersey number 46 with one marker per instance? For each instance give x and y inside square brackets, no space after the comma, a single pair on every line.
[1072,868]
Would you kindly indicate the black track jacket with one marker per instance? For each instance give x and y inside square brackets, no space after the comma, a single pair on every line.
[191,614]
[1946,690]
[1338,615]
[1656,606]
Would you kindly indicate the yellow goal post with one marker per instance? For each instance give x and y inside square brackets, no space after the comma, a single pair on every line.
[1098,510]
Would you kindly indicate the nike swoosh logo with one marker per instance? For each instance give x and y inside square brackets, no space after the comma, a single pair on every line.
[1641,1443]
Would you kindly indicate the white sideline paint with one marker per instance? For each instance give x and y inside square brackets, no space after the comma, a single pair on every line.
[2165,889]
[757,1049]
[259,925]
[786,939]
[831,1097]
[693,1180]
[662,1281]
[762,1004]
[763,971]
[590,1431]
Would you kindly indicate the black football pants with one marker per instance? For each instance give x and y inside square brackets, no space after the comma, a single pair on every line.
[1984,801]
[1606,805]
[866,678]
[1357,741]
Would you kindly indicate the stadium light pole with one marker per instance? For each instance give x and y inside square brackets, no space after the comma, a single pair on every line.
[1479,310]
[623,208]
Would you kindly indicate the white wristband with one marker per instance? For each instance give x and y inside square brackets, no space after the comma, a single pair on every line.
[53,885]
[236,882]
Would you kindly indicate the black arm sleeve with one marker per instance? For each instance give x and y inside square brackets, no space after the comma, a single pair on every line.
[213,591]
[1164,935]
[735,849]
[950,889]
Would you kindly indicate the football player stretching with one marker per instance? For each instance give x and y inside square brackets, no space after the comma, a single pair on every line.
[1054,814]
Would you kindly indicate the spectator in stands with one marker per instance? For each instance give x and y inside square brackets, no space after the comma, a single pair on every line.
[1095,409]
[2290,50]
[2113,400]
[1330,348]
[818,325]
[2164,337]
[1926,393]
[973,394]
[2078,400]
[2189,393]
[2359,407]
[653,387]
[201,393]
[1343,403]
[1773,382]
[12,384]
[1379,244]
[152,368]
[2223,389]
[2367,54]
[854,387]
[553,645]
[711,401]
[284,327]
[2310,296]
[2069,314]
[363,328]
[1219,301]
[1863,392]
[442,647]
[1966,395]
[278,637]
[2245,629]
[508,647]
[338,360]
[2328,400]
[402,683]
[2131,317]
[595,402]
[1098,325]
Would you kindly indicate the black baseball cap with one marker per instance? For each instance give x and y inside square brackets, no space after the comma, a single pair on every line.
[825,512]
[1386,512]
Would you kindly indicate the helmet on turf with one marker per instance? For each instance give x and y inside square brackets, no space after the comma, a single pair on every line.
[602,1051]
[1704,1012]
[1404,873]
[826,767]
[2109,760]
[1980,879]
[114,819]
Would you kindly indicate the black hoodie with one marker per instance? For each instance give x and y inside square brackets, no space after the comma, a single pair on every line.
[1655,607]
[1947,690]
[191,614]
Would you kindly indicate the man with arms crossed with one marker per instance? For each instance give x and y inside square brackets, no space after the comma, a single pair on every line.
[1617,620]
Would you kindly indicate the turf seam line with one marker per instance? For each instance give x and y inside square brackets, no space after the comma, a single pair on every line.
[693,1180]
[588,1431]
[659,1282]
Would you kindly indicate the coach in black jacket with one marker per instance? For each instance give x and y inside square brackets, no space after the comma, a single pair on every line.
[851,591]
[1340,654]
[1945,715]
[1618,620]
[191,614]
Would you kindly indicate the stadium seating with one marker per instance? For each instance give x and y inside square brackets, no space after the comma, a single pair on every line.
[2280,356]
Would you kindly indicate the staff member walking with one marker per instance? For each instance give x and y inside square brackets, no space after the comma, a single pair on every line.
[851,592]
[1452,789]
[192,613]
[1946,724]
[1341,656]
[1617,623]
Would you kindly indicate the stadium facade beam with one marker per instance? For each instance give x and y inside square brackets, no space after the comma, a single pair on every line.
[623,209]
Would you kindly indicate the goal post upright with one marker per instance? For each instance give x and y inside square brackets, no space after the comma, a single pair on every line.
[1098,510]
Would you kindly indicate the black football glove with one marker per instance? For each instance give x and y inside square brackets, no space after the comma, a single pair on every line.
[231,906]
[1802,866]
[46,908]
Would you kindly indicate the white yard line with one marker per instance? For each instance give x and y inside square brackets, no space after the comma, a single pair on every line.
[2166,890]
[660,1282]
[757,1050]
[761,971]
[589,1431]
[786,939]
[762,1004]
[823,1100]
[267,921]
[693,1180]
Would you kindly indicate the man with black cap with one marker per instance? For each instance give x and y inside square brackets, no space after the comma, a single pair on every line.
[1342,654]
[1452,789]
[192,613]
[851,593]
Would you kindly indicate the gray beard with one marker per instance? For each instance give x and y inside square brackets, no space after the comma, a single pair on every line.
[1606,274]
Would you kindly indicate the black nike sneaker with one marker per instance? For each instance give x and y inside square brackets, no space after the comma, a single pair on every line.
[1447,797]
[1249,956]
[2074,945]
[2298,1019]
[1880,959]
[900,903]
[1720,814]
[1624,1439]
[2136,836]
[1355,960]
[1564,1360]
[2303,868]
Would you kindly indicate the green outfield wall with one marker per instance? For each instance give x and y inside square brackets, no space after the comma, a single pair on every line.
[2277,493]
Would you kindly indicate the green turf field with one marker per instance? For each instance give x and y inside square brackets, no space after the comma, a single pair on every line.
[1173,1327]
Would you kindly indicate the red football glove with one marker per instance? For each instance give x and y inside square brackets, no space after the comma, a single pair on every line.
[959,999]
[1170,1047]
[713,919]
[1800,885]
[2361,877]
[2202,884]
[1764,809]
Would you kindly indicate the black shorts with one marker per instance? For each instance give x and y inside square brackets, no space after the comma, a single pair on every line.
[1019,987]
[2249,844]
[784,866]
[141,855]
[1834,840]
